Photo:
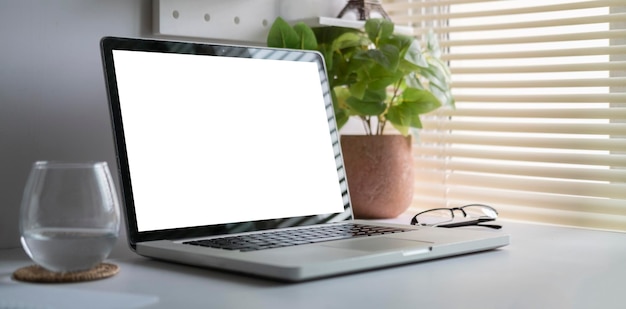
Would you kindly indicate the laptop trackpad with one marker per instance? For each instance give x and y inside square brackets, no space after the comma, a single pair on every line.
[383,244]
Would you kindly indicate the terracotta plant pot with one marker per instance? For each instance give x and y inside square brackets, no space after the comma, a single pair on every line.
[380,174]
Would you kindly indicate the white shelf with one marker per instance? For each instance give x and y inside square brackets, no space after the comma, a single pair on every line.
[238,20]
[348,23]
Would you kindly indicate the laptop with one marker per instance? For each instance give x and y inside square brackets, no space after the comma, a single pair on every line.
[229,158]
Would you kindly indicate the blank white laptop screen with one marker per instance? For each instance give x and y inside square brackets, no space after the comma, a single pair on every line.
[215,140]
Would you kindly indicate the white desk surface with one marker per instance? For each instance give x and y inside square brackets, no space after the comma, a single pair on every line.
[543,267]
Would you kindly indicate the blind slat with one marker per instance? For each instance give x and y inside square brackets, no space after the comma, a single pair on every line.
[528,127]
[402,8]
[602,190]
[567,217]
[571,113]
[555,22]
[519,169]
[433,150]
[460,195]
[546,98]
[570,52]
[533,142]
[609,34]
[538,83]
[570,67]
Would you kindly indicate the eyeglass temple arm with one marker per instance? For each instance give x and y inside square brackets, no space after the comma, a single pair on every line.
[471,222]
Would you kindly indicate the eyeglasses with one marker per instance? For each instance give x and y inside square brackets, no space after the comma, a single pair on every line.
[473,214]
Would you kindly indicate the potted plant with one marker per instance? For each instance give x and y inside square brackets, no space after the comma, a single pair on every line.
[381,78]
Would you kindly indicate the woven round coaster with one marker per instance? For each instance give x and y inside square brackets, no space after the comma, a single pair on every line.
[36,273]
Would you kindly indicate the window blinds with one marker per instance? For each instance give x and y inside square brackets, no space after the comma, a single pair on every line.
[539,129]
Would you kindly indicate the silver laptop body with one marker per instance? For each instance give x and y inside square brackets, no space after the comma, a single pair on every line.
[218,140]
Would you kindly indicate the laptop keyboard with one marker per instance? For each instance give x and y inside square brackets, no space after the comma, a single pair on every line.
[285,238]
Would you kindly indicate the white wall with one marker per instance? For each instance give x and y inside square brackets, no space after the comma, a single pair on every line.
[53,103]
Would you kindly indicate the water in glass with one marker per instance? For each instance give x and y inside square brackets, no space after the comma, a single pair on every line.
[69,218]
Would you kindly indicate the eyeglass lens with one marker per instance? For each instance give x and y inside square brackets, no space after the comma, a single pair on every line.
[443,215]
[480,211]
[435,216]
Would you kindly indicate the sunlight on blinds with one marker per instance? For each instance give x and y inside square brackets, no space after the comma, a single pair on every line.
[539,129]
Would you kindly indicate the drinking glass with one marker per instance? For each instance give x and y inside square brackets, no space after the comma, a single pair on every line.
[70,216]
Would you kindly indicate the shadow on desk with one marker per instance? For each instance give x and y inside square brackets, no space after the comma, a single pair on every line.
[165,267]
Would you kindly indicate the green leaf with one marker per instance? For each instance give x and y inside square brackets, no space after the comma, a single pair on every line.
[400,119]
[435,77]
[413,81]
[371,104]
[282,35]
[388,56]
[342,110]
[364,108]
[419,101]
[372,55]
[403,42]
[328,34]
[432,44]
[438,65]
[377,95]
[349,39]
[392,53]
[414,55]
[341,117]
[328,59]
[378,29]
[358,89]
[380,78]
[413,103]
[306,36]
[443,95]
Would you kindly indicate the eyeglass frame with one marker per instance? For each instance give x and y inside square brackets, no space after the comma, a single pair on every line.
[476,221]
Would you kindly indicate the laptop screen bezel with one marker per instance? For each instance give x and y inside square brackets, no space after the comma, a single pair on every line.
[109,44]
